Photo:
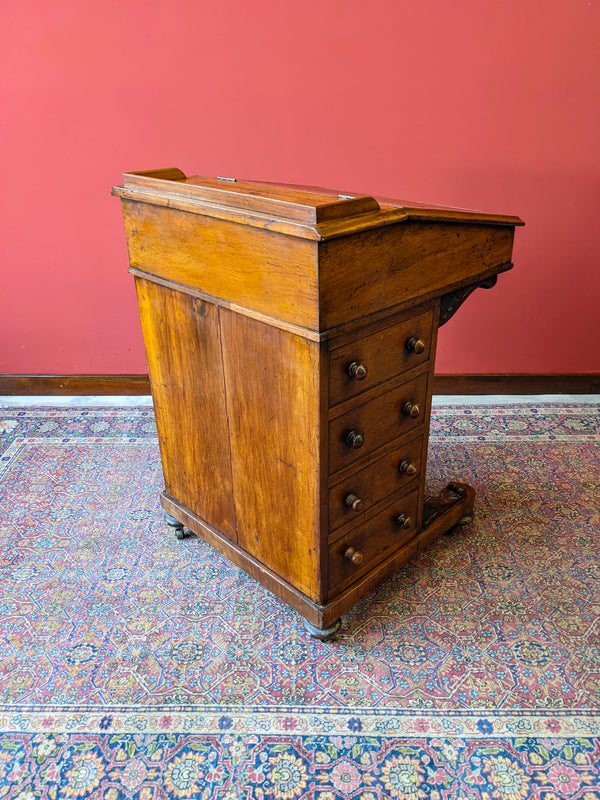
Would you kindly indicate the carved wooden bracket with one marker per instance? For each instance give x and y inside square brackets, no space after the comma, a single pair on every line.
[452,505]
[451,302]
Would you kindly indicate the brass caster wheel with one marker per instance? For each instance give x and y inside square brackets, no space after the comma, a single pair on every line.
[468,518]
[322,634]
[176,525]
[462,521]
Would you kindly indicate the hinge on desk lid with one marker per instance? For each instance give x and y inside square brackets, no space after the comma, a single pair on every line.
[229,180]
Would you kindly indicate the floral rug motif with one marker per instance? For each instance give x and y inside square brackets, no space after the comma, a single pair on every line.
[134,665]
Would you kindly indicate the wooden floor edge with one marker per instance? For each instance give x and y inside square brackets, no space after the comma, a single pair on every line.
[471,384]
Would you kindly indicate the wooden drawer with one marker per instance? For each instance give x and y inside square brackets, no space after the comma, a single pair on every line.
[352,500]
[381,420]
[363,363]
[372,542]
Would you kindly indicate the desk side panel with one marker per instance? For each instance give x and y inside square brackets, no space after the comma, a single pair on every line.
[183,348]
[262,271]
[273,382]
[406,264]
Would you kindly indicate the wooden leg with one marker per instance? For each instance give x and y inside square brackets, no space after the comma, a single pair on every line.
[322,634]
[176,525]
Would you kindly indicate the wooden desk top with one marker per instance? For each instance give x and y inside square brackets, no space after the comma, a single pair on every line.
[304,211]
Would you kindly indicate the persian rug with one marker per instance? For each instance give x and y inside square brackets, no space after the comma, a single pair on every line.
[134,665]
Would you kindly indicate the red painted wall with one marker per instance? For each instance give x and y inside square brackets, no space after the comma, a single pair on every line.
[491,105]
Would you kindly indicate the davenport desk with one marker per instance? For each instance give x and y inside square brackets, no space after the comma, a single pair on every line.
[290,335]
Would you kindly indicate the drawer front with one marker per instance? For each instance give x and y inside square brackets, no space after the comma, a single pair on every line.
[351,500]
[356,553]
[357,366]
[371,425]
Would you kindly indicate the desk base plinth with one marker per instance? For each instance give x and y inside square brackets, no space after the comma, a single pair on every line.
[453,506]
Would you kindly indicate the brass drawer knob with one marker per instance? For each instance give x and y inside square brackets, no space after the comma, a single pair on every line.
[403,521]
[354,556]
[407,467]
[356,370]
[355,439]
[411,410]
[414,345]
[354,502]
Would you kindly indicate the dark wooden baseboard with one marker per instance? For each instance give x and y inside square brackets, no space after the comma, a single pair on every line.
[582,383]
[578,383]
[74,384]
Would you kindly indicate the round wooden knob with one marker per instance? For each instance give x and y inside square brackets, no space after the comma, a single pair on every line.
[407,467]
[354,502]
[414,345]
[403,521]
[355,439]
[357,370]
[354,556]
[411,410]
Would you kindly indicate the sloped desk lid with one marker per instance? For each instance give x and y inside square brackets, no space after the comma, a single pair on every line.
[307,212]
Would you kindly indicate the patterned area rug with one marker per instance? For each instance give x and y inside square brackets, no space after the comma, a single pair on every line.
[133,665]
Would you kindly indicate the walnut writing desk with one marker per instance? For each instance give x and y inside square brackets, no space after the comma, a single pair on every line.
[290,334]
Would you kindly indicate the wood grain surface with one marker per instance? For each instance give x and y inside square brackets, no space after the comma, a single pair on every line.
[183,346]
[273,401]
